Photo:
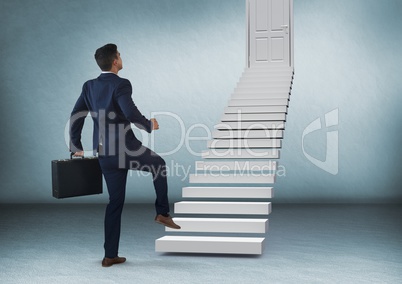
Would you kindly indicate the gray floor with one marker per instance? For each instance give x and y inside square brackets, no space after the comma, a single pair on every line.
[305,244]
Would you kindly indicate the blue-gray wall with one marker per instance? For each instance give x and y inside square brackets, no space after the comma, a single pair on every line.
[185,57]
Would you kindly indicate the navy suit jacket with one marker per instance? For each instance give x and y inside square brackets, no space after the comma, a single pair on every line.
[108,100]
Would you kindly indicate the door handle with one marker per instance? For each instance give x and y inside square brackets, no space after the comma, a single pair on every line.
[285,28]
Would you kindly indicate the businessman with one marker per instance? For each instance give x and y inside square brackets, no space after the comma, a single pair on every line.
[108,100]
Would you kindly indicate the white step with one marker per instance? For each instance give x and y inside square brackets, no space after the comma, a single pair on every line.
[222,245]
[258,102]
[270,90]
[227,192]
[268,66]
[266,79]
[254,117]
[246,85]
[244,143]
[248,134]
[242,166]
[263,85]
[241,154]
[220,225]
[284,95]
[268,73]
[264,82]
[285,78]
[248,125]
[264,70]
[256,109]
[235,208]
[251,178]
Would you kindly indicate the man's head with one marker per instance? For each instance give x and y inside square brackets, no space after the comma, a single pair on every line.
[108,58]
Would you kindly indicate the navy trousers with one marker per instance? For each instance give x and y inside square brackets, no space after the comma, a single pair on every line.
[116,179]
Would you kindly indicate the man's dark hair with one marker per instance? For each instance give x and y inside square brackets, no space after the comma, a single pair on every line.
[105,55]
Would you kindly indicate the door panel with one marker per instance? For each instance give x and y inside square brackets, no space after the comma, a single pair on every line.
[261,49]
[261,19]
[277,50]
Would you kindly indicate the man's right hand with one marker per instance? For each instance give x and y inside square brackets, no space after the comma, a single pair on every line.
[79,154]
[155,124]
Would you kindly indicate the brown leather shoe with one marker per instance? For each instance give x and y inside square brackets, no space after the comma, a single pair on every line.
[107,262]
[167,221]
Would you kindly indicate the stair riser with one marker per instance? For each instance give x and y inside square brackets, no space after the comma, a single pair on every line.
[254,117]
[221,247]
[244,144]
[266,73]
[227,192]
[250,125]
[222,166]
[255,91]
[267,77]
[241,154]
[264,78]
[266,102]
[257,109]
[247,134]
[264,83]
[261,96]
[211,225]
[268,66]
[249,178]
[261,85]
[230,208]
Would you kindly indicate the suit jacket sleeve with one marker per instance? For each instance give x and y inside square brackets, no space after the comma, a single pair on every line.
[129,109]
[77,118]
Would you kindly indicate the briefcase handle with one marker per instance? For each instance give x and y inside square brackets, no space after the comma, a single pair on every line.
[78,157]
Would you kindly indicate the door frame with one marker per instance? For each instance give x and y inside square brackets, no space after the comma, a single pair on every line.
[291,36]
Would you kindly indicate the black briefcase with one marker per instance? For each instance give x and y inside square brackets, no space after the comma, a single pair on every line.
[76,177]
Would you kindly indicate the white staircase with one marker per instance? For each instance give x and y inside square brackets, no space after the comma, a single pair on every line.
[232,178]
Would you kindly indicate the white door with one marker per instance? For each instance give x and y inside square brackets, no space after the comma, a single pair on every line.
[269,32]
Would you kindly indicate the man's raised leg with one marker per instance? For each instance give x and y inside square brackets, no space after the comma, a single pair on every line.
[150,161]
